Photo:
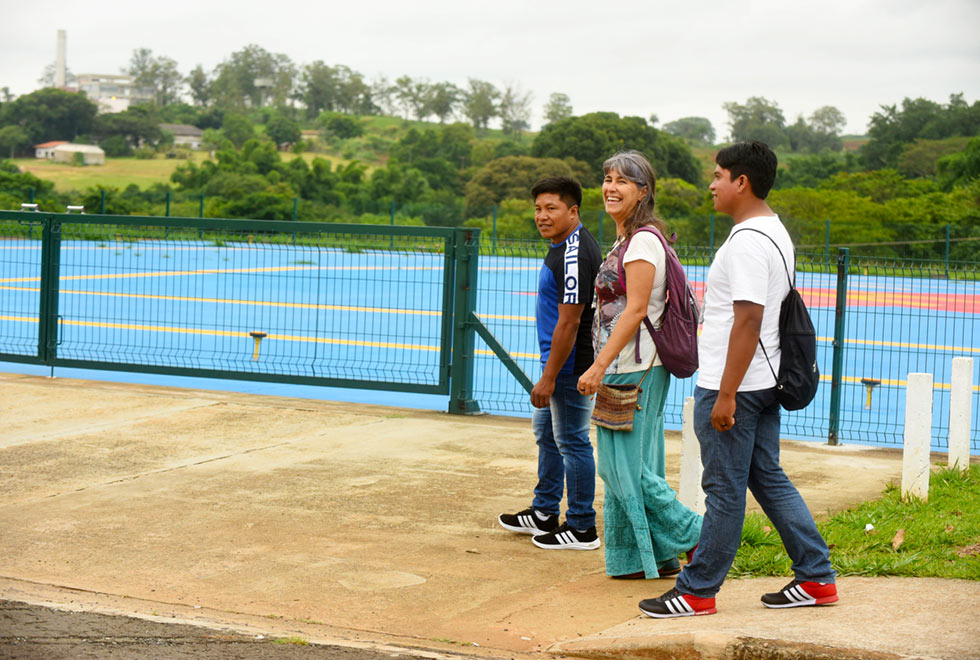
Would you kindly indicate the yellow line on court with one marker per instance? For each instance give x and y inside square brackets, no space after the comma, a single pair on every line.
[353,342]
[265,303]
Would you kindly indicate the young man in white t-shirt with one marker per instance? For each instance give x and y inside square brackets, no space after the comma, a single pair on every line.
[736,416]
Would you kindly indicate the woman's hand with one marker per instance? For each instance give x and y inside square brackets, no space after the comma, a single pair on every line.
[589,382]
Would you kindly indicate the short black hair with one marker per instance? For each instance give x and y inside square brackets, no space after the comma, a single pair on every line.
[755,160]
[568,189]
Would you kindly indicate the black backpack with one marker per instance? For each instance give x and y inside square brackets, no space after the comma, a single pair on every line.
[796,383]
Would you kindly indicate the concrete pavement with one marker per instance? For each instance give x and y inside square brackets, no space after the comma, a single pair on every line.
[377,526]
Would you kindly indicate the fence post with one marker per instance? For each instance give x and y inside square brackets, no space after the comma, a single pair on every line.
[102,202]
[200,210]
[947,251]
[690,492]
[32,194]
[168,204]
[826,241]
[960,411]
[50,266]
[711,235]
[495,230]
[462,365]
[601,248]
[295,207]
[918,435]
[391,221]
[837,376]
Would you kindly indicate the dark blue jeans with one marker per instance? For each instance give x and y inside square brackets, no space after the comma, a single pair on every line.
[565,454]
[747,456]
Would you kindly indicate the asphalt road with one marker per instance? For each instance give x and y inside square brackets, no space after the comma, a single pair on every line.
[30,632]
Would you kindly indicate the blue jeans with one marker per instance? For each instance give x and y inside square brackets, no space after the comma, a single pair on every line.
[747,455]
[565,454]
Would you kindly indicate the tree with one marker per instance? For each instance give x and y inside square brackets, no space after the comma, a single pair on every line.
[283,130]
[200,85]
[157,73]
[515,109]
[480,102]
[13,139]
[594,137]
[693,129]
[340,125]
[558,107]
[509,178]
[138,124]
[383,95]
[47,78]
[237,128]
[443,99]
[828,120]
[892,128]
[252,76]
[759,119]
[50,114]
[414,96]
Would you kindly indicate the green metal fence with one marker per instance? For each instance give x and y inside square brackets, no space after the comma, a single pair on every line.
[427,310]
[321,304]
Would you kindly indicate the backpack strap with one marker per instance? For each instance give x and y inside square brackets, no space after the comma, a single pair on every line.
[771,240]
[791,285]
[622,275]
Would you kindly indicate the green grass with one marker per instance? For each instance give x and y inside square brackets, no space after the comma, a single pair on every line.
[295,641]
[939,538]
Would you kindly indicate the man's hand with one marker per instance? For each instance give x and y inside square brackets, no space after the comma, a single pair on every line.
[723,413]
[541,394]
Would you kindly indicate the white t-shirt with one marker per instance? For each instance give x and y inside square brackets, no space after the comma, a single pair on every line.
[644,246]
[747,267]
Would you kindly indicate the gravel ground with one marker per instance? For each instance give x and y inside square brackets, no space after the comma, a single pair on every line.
[29,632]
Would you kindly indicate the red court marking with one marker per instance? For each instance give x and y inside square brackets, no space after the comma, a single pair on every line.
[966,303]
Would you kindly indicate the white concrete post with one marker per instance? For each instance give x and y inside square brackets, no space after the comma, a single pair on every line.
[690,493]
[960,412]
[918,436]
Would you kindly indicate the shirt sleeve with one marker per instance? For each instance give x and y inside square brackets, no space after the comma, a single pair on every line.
[748,266]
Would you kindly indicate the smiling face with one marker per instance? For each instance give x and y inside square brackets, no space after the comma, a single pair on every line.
[724,190]
[620,195]
[555,219]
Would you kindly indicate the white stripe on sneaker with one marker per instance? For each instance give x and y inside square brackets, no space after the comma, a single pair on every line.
[797,594]
[679,606]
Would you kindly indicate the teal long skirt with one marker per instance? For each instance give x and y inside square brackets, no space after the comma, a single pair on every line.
[644,523]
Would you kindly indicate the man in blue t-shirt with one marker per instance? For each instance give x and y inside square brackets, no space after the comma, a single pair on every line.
[561,414]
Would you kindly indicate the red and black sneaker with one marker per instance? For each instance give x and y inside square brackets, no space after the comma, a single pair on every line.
[798,594]
[674,603]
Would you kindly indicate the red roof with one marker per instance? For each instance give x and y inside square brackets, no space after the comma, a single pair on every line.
[53,143]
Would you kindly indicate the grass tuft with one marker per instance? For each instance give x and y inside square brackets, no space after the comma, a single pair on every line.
[908,537]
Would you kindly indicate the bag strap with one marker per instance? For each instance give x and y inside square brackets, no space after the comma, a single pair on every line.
[791,286]
[621,272]
[782,256]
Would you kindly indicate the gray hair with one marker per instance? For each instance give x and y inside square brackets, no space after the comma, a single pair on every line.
[634,166]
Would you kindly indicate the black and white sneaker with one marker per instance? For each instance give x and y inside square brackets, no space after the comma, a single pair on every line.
[566,538]
[799,593]
[674,603]
[528,521]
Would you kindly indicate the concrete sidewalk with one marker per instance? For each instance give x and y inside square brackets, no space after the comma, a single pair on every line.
[377,526]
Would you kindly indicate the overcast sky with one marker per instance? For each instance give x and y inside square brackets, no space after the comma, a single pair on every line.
[672,59]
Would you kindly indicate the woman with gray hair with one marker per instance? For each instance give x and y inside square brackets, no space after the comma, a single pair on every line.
[645,527]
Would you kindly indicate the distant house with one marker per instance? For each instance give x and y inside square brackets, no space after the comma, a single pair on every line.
[185,135]
[46,149]
[91,155]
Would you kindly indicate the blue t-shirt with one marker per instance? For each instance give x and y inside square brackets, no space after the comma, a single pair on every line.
[568,277]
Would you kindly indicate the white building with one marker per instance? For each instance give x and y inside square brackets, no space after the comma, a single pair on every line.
[184,134]
[46,149]
[113,93]
[91,155]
